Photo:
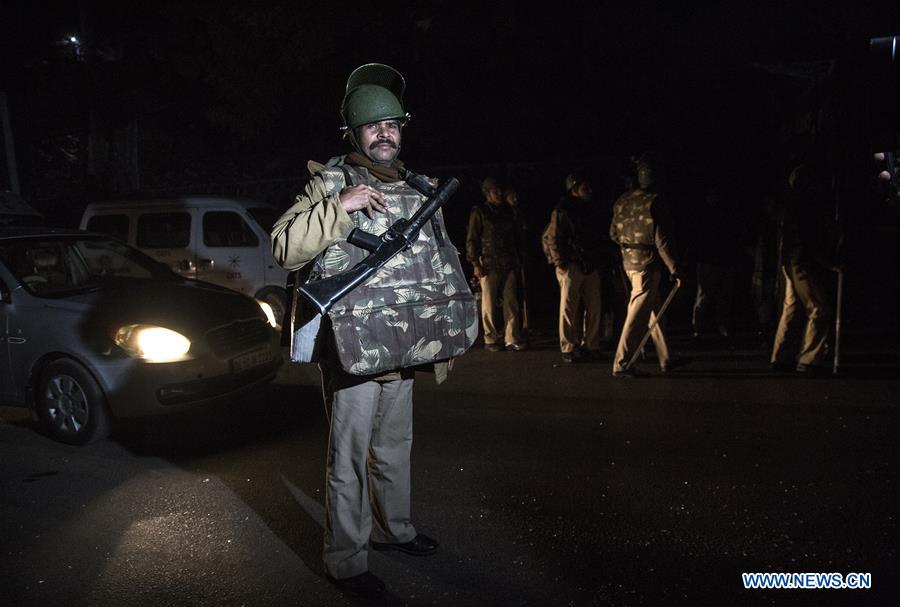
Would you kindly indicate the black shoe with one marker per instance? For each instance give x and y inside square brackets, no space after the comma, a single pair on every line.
[516,347]
[674,363]
[493,347]
[630,372]
[812,370]
[365,584]
[421,545]
[568,357]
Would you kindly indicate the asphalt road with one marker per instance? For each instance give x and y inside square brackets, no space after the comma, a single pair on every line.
[546,485]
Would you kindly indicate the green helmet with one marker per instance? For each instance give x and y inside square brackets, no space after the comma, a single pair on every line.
[374,93]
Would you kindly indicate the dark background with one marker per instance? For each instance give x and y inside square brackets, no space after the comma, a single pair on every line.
[229,97]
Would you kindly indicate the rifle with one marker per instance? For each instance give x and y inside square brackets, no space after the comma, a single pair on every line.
[324,293]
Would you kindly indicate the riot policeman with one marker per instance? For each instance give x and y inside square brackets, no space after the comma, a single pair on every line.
[642,227]
[415,311]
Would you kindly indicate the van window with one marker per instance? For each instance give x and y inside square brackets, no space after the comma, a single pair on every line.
[227,229]
[164,231]
[111,225]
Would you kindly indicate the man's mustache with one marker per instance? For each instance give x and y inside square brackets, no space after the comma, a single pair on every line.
[375,144]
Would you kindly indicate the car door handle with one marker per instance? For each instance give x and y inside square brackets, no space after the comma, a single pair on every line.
[17,340]
[206,264]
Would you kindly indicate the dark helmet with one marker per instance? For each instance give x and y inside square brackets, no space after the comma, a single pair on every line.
[374,93]
[575,179]
[646,170]
[489,183]
[801,178]
[646,177]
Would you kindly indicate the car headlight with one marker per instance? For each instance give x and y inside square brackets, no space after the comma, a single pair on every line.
[153,344]
[267,310]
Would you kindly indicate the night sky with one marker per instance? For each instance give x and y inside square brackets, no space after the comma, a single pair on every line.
[210,91]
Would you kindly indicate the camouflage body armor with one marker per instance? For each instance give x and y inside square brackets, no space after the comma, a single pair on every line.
[634,229]
[417,309]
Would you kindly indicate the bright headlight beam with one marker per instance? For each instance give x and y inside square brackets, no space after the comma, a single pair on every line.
[158,343]
[153,344]
[270,315]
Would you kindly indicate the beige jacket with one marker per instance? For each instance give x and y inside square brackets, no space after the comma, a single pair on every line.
[315,222]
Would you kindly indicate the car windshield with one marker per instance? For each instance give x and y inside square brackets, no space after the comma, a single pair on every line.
[54,266]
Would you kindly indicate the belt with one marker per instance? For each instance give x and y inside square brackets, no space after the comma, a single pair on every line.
[637,245]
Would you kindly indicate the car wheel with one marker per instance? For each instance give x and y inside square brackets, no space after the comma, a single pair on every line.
[276,298]
[70,404]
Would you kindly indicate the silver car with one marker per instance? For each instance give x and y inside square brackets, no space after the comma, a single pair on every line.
[92,329]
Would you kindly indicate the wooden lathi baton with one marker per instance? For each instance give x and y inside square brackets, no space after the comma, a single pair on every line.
[653,323]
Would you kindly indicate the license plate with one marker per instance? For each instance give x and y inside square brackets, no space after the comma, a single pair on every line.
[249,360]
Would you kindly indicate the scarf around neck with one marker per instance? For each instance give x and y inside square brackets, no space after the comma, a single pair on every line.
[383,172]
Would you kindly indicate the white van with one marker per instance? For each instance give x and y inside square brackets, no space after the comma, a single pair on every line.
[224,241]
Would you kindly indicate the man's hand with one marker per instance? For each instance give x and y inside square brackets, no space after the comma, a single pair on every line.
[363,198]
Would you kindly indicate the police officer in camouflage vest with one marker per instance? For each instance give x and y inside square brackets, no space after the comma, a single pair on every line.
[642,227]
[492,247]
[417,310]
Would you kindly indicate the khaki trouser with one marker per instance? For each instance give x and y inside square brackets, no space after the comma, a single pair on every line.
[805,303]
[368,470]
[579,309]
[714,284]
[494,285]
[642,309]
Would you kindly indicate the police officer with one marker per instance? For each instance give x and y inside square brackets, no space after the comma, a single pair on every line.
[802,338]
[416,310]
[492,249]
[574,246]
[511,198]
[717,246]
[642,227]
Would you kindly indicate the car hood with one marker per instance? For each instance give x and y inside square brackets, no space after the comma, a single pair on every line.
[189,307]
